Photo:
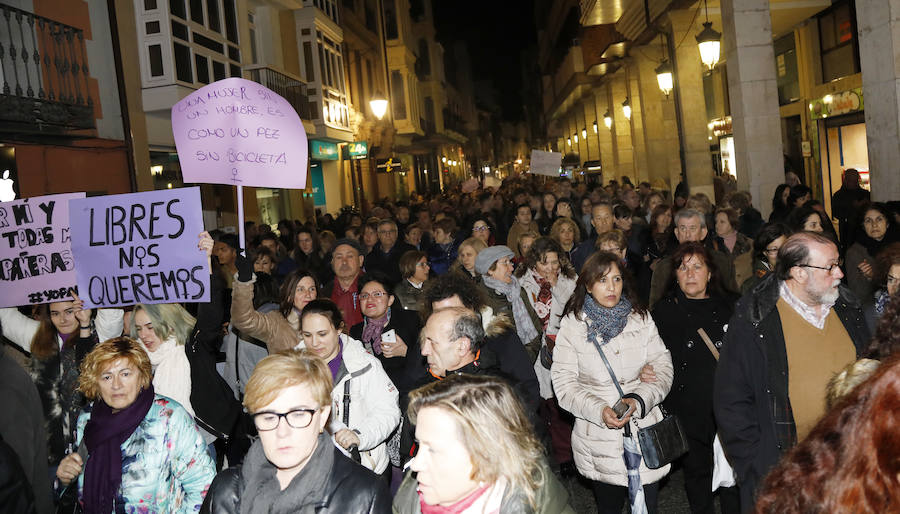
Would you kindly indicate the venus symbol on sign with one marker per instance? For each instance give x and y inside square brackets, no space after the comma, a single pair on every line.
[234,175]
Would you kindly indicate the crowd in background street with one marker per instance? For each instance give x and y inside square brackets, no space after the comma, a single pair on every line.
[459,353]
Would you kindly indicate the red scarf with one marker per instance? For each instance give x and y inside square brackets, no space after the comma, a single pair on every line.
[544,297]
[456,508]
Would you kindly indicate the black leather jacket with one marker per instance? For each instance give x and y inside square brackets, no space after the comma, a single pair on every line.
[351,489]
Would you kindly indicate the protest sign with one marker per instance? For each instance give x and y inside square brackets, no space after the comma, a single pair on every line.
[36,263]
[240,133]
[545,163]
[139,248]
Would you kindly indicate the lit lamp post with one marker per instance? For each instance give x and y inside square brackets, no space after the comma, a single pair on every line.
[710,42]
[379,105]
[626,109]
[664,77]
[607,120]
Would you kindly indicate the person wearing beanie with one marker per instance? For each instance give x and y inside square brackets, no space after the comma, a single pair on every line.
[504,295]
[346,263]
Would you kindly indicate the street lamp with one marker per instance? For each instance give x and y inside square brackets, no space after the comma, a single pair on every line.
[569,141]
[607,119]
[595,126]
[379,105]
[626,109]
[444,160]
[575,137]
[664,77]
[584,133]
[709,41]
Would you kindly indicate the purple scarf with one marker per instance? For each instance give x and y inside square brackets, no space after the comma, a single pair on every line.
[103,436]
[372,331]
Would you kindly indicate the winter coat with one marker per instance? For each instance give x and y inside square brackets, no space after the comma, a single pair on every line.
[411,298]
[279,333]
[242,353]
[388,263]
[862,287]
[350,489]
[374,411]
[512,358]
[662,274]
[500,305]
[406,371]
[561,293]
[583,387]
[551,498]
[442,256]
[750,396]
[56,377]
[164,458]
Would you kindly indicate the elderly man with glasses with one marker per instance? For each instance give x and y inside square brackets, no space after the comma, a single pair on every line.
[787,338]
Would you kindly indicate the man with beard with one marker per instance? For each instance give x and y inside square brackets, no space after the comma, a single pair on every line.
[786,339]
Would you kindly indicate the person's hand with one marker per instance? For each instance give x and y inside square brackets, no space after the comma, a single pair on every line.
[612,421]
[397,349]
[866,269]
[206,245]
[81,314]
[647,373]
[346,438]
[69,468]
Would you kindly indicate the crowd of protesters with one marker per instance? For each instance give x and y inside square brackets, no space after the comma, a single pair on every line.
[461,353]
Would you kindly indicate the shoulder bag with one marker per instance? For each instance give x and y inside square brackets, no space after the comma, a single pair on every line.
[662,442]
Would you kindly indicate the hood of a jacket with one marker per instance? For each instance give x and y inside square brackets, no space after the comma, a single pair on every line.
[495,324]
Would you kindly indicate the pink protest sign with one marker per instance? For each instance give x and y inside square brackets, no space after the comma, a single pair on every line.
[36,262]
[238,132]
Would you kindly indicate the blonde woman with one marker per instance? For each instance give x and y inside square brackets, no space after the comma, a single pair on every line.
[465,261]
[566,232]
[293,467]
[477,453]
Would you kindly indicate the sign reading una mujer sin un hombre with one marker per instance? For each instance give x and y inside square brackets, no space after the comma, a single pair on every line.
[139,248]
[238,132]
[36,261]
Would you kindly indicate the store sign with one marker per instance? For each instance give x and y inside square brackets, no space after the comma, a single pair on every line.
[391,165]
[323,150]
[356,150]
[318,185]
[837,103]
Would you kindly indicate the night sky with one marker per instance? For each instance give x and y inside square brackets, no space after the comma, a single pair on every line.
[496,32]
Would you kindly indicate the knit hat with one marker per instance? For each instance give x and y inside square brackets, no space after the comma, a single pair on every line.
[349,242]
[487,257]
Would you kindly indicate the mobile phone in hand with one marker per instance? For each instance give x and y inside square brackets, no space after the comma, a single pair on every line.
[389,337]
[621,409]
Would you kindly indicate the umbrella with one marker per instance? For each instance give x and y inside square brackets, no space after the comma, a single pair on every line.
[632,458]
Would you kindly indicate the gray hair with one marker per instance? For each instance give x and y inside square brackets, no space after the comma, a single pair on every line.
[690,213]
[467,323]
[795,252]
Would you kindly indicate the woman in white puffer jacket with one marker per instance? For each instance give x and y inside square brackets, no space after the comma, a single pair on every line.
[601,309]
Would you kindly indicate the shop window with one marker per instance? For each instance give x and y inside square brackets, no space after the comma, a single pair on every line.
[786,70]
[212,11]
[200,62]
[183,71]
[156,63]
[837,41]
[398,95]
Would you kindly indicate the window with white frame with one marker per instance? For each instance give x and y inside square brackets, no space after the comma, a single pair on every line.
[335,110]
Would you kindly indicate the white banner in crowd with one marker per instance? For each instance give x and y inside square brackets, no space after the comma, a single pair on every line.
[545,163]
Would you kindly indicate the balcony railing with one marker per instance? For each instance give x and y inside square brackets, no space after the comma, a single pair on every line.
[44,74]
[290,88]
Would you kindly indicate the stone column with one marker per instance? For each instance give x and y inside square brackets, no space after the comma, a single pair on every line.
[657,117]
[878,22]
[608,158]
[689,83]
[618,91]
[756,119]
[636,126]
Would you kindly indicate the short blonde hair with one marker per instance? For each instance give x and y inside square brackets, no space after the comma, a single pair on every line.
[556,228]
[474,243]
[282,370]
[493,427]
[851,376]
[103,355]
[168,319]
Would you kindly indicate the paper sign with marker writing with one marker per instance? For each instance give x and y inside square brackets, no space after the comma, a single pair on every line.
[545,163]
[238,132]
[36,263]
[139,248]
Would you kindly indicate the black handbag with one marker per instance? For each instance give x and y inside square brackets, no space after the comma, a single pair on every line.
[662,442]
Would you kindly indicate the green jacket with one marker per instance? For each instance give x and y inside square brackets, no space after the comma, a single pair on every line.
[552,498]
[501,305]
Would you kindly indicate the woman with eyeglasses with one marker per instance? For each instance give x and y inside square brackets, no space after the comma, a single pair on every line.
[365,409]
[481,228]
[293,467]
[765,250]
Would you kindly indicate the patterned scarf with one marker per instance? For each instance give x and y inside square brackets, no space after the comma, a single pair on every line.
[372,329]
[606,323]
[513,292]
[544,299]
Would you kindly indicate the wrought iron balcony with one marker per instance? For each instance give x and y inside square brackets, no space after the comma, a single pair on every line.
[292,89]
[44,75]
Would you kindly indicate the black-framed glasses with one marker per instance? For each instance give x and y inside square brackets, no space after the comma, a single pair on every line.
[297,418]
[829,268]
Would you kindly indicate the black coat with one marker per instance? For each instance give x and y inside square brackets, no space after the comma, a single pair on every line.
[750,396]
[404,372]
[388,263]
[351,489]
[678,320]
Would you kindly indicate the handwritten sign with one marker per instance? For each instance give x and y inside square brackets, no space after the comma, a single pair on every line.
[545,163]
[238,132]
[36,262]
[139,248]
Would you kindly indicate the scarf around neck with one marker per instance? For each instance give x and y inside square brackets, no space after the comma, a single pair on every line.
[543,301]
[172,372]
[513,293]
[606,323]
[262,491]
[104,435]
[372,329]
